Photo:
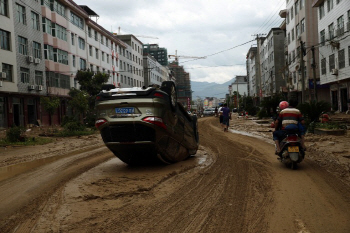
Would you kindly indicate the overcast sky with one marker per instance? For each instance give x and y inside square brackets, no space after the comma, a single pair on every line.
[216,29]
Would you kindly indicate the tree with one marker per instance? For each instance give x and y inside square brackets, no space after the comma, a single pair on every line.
[79,103]
[50,104]
[90,83]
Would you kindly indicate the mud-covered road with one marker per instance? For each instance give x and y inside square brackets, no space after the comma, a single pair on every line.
[233,184]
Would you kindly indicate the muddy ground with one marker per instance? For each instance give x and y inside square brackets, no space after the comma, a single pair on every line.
[233,184]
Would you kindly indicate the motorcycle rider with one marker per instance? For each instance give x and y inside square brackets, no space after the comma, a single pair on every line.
[289,119]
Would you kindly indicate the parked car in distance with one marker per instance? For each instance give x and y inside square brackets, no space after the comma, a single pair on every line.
[145,125]
[209,112]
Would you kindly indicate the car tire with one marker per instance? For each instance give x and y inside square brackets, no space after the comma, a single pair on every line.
[169,88]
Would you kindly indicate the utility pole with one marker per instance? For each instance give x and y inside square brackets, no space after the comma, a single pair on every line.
[302,72]
[313,65]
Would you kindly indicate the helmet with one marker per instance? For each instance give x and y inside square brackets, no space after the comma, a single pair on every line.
[283,105]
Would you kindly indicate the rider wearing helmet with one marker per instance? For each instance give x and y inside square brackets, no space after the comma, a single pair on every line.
[289,118]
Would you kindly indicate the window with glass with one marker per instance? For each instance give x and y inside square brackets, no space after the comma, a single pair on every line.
[35,21]
[322,37]
[103,56]
[340,24]
[59,8]
[4,7]
[96,52]
[21,14]
[329,5]
[90,50]
[102,39]
[331,62]
[331,31]
[47,25]
[293,34]
[96,36]
[38,77]
[8,69]
[107,57]
[302,3]
[288,37]
[91,67]
[292,13]
[297,30]
[73,60]
[321,10]
[22,45]
[60,32]
[76,20]
[4,40]
[302,27]
[296,7]
[107,43]
[81,43]
[82,64]
[89,32]
[60,56]
[37,50]
[24,73]
[323,66]
[341,58]
[48,52]
[72,37]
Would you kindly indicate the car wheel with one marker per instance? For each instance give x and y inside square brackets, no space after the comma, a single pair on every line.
[169,88]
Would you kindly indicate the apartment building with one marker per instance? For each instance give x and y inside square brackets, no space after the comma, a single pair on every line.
[334,50]
[160,54]
[252,72]
[271,55]
[154,73]
[8,64]
[301,27]
[131,62]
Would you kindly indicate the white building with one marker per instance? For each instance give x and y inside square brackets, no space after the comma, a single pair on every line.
[334,50]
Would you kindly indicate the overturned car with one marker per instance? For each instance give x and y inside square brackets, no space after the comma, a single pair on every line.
[144,125]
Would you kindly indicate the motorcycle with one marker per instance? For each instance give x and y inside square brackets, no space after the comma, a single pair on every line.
[291,152]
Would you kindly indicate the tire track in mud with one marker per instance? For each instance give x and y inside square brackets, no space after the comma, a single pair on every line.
[231,195]
[24,196]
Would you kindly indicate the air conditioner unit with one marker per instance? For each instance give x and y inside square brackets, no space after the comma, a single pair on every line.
[31,87]
[30,59]
[37,61]
[0,83]
[39,87]
[334,72]
[3,75]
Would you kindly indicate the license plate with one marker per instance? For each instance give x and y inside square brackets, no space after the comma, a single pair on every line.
[128,110]
[293,148]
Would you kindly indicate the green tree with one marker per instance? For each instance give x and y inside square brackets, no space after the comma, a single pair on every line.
[91,83]
[79,103]
[50,104]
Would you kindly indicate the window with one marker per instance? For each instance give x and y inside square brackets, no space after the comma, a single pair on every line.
[323,66]
[297,31]
[321,10]
[102,40]
[24,73]
[322,37]
[288,37]
[48,52]
[35,21]
[4,7]
[341,58]
[296,6]
[302,3]
[4,40]
[293,34]
[6,68]
[96,36]
[103,56]
[60,56]
[72,35]
[90,50]
[21,14]
[89,32]
[340,24]
[107,43]
[47,25]
[36,50]
[329,5]
[60,32]
[292,13]
[73,60]
[82,64]
[76,20]
[331,62]
[38,77]
[81,43]
[331,31]
[60,9]
[22,45]
[302,28]
[96,52]
[107,58]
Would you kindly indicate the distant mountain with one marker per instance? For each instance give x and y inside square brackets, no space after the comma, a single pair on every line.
[205,89]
